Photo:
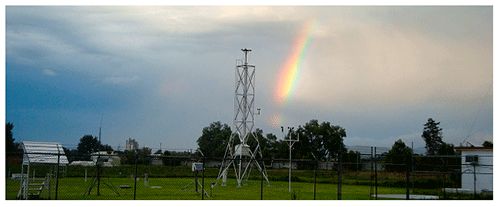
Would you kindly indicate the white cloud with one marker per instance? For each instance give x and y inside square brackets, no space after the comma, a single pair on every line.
[49,72]
[121,80]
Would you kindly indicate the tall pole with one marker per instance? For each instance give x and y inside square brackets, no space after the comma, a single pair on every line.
[98,161]
[290,143]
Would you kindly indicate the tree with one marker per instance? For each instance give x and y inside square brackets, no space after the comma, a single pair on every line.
[263,142]
[446,149]
[323,140]
[398,156]
[10,146]
[72,155]
[271,149]
[487,144]
[432,136]
[88,145]
[105,148]
[214,138]
[351,160]
[446,160]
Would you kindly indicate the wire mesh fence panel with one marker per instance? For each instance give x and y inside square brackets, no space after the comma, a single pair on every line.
[129,176]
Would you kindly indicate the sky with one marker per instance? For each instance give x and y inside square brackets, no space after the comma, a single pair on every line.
[160,74]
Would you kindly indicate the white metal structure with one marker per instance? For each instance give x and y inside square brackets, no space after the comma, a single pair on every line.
[290,143]
[240,156]
[38,153]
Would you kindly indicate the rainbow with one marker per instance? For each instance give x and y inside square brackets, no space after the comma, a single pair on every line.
[287,81]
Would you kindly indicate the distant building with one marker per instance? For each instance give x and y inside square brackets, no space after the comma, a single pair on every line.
[156,159]
[131,145]
[108,158]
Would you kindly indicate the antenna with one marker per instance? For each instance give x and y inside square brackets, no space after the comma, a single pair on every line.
[477,114]
[98,164]
[100,129]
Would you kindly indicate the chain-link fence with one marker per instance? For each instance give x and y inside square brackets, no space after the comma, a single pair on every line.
[131,176]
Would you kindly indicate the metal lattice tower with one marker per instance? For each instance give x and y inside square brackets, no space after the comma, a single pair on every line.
[239,155]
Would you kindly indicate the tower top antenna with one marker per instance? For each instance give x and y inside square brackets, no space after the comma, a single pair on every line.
[246,53]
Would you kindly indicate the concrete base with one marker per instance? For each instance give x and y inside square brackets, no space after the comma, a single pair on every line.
[403,196]
[468,191]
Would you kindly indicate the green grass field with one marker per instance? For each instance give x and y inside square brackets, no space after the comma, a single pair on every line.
[74,188]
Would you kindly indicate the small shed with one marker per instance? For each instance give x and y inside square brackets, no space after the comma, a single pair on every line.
[38,153]
[477,169]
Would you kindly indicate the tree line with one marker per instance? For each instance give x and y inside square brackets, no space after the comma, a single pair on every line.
[324,140]
[439,154]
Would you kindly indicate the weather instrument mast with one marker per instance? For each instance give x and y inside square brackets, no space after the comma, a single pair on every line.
[290,143]
[240,155]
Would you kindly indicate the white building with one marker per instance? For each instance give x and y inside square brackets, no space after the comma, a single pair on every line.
[476,162]
[131,145]
[108,158]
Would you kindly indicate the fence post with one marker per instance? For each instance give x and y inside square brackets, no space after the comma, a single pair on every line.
[135,179]
[412,171]
[50,182]
[475,196]
[203,178]
[315,174]
[412,174]
[408,180]
[339,186]
[444,183]
[376,184]
[371,173]
[357,165]
[98,173]
[57,173]
[262,183]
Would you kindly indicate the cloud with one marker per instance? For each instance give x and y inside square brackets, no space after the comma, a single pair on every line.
[365,66]
[121,80]
[49,72]
[370,67]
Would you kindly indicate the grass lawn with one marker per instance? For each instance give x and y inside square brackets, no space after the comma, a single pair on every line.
[74,188]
